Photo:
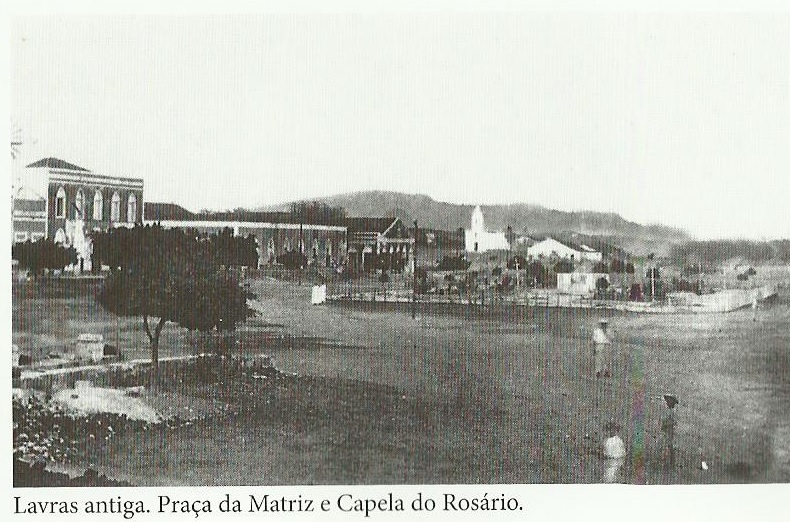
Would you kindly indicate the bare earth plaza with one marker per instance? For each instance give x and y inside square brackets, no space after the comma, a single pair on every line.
[365,300]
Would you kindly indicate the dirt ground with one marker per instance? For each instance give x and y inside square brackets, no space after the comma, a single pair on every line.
[456,398]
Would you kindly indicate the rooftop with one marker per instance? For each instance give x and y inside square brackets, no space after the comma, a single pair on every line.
[55,163]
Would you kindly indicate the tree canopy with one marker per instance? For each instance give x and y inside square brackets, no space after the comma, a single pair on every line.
[317,212]
[42,254]
[172,275]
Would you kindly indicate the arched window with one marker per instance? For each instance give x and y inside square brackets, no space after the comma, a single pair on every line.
[98,205]
[131,209]
[60,237]
[79,205]
[115,207]
[60,203]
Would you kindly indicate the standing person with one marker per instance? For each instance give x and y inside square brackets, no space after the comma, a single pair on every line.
[668,424]
[601,347]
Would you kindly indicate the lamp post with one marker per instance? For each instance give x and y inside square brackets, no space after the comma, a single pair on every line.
[414,284]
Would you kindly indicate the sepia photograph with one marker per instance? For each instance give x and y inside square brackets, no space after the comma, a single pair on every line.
[399,247]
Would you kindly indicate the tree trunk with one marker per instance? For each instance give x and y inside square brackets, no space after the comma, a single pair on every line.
[153,337]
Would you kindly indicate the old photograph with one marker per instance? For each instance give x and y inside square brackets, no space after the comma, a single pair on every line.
[417,247]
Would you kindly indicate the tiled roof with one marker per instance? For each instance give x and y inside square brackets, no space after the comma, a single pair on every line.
[30,205]
[173,212]
[55,163]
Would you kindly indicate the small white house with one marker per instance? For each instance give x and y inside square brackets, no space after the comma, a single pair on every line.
[579,283]
[549,247]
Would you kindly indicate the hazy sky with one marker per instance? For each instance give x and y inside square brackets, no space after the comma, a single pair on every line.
[682,119]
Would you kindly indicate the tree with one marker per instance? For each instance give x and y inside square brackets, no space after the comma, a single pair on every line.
[537,273]
[234,251]
[563,266]
[170,276]
[517,261]
[317,212]
[453,263]
[600,268]
[43,254]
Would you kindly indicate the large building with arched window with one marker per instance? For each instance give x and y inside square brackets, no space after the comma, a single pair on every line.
[71,201]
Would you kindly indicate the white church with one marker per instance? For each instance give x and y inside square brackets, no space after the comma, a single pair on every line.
[478,239]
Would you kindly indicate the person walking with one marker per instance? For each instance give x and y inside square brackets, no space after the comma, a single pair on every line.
[601,347]
[668,425]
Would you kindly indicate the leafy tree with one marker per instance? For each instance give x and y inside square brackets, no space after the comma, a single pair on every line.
[537,273]
[43,254]
[317,212]
[234,251]
[453,263]
[170,275]
[617,266]
[636,292]
[563,266]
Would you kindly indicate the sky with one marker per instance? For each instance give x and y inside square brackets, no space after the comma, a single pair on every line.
[679,118]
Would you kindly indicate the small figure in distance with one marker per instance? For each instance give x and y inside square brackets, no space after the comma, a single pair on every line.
[601,346]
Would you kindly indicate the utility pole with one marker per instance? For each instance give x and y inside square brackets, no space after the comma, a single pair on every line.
[652,284]
[517,276]
[301,253]
[414,284]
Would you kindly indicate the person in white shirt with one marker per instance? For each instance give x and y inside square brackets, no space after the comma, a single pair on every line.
[613,452]
[601,347]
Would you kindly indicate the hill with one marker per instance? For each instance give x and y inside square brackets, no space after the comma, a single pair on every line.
[524,218]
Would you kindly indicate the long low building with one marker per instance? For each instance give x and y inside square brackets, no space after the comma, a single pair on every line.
[276,233]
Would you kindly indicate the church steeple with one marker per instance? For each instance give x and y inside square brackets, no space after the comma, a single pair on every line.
[478,225]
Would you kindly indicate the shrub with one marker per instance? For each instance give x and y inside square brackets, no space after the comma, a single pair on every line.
[453,263]
[292,260]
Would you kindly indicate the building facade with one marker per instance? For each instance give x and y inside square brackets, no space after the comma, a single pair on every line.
[29,219]
[76,203]
[433,245]
[378,243]
[579,283]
